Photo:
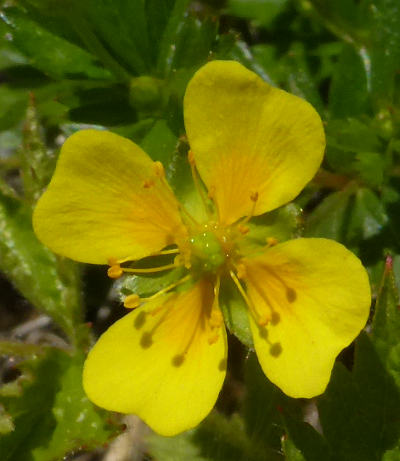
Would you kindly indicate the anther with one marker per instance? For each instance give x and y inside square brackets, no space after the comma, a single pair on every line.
[132,301]
[115,271]
[159,169]
[263,321]
[272,241]
[254,196]
[216,318]
[213,338]
[147,183]
[243,229]
[241,271]
[211,192]
[191,158]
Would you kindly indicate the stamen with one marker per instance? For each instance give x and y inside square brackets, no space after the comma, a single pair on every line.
[260,319]
[211,192]
[166,289]
[159,169]
[147,183]
[243,229]
[115,271]
[197,184]
[216,319]
[149,270]
[272,241]
[254,199]
[132,301]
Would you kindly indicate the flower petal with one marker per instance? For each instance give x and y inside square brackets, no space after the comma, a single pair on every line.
[157,362]
[247,136]
[106,201]
[317,297]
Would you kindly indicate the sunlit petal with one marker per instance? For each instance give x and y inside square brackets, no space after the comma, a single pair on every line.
[106,200]
[313,297]
[247,136]
[162,362]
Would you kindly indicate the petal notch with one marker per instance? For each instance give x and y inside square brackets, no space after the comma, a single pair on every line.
[247,136]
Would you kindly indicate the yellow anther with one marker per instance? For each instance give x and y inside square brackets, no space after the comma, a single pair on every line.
[263,321]
[241,271]
[147,183]
[115,271]
[216,318]
[191,158]
[243,229]
[211,192]
[212,339]
[159,169]
[112,261]
[132,301]
[254,196]
[272,241]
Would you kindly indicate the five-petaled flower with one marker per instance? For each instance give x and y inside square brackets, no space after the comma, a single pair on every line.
[254,147]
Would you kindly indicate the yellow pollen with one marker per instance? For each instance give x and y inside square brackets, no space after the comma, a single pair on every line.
[159,169]
[272,241]
[132,301]
[115,271]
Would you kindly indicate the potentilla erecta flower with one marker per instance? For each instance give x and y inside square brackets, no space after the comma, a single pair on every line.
[254,147]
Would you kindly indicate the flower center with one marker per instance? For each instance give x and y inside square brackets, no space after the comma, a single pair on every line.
[207,253]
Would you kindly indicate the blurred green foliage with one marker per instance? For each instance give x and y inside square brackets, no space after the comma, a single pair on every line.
[124,65]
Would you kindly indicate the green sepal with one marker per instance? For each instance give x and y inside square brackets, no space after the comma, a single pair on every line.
[235,312]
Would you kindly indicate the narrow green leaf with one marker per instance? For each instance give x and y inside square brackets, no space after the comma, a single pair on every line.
[51,54]
[348,94]
[50,284]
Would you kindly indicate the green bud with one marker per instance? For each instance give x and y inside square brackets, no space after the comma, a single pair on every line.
[146,93]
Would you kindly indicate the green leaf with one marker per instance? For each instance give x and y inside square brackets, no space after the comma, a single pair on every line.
[50,284]
[51,54]
[147,286]
[216,439]
[386,322]
[300,81]
[349,216]
[348,94]
[121,25]
[359,411]
[291,452]
[170,36]
[37,164]
[52,415]
[13,105]
[263,11]
[384,38]
[281,224]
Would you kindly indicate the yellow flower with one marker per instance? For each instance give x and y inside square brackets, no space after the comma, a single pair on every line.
[254,147]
